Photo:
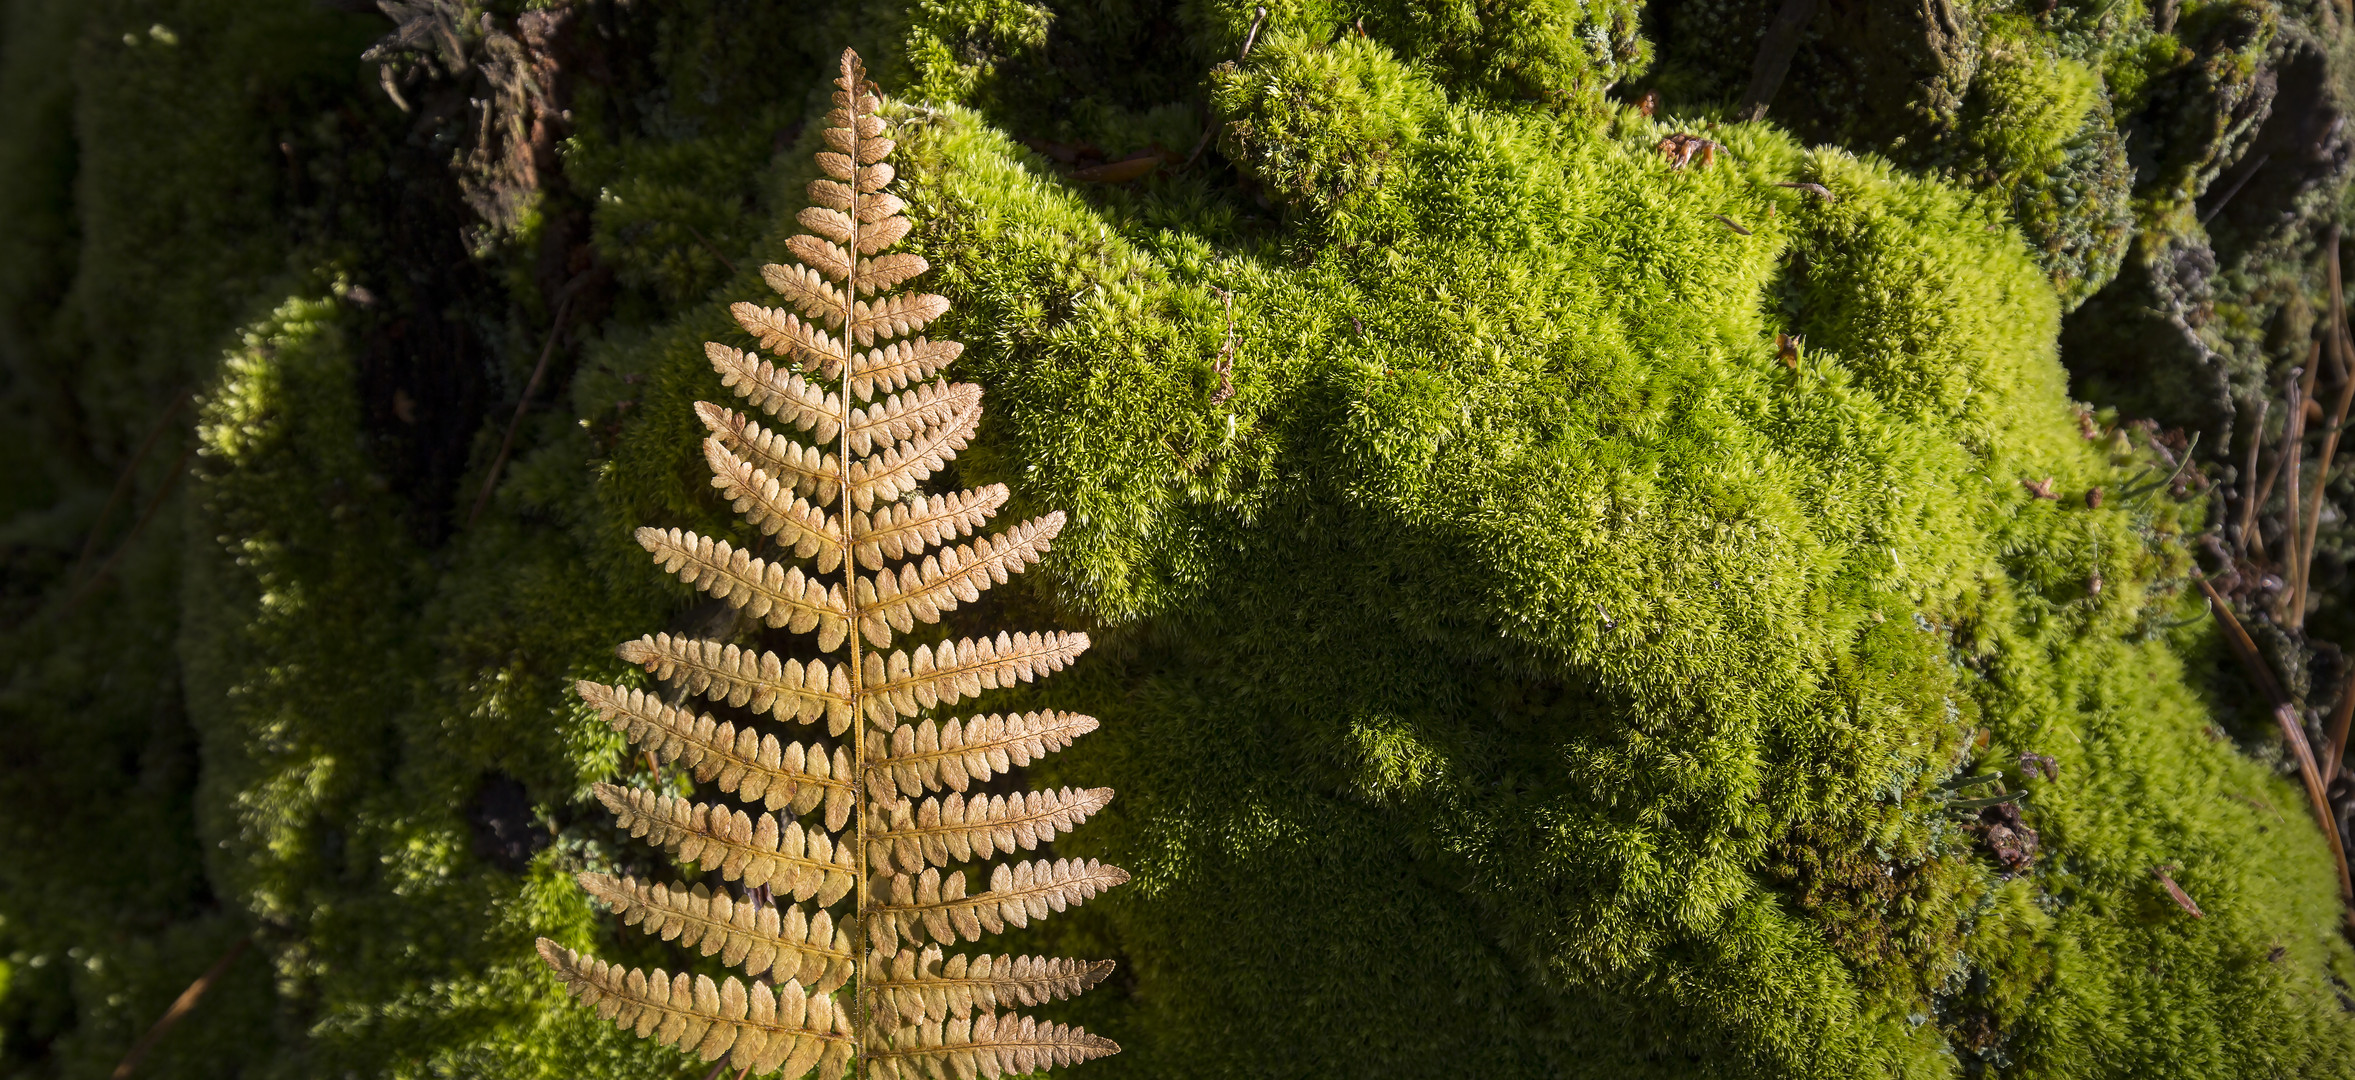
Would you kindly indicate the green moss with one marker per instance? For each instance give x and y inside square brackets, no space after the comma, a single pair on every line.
[1523,671]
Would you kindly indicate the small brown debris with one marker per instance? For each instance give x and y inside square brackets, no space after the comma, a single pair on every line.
[1730,224]
[2274,954]
[2011,841]
[1136,166]
[1818,190]
[1648,104]
[2093,498]
[2042,489]
[1679,149]
[2182,899]
[1786,349]
[2040,765]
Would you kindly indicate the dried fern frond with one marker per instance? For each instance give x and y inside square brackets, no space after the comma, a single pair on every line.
[937,832]
[758,938]
[810,471]
[922,522]
[754,1027]
[774,508]
[929,906]
[879,563]
[925,985]
[741,677]
[988,1045]
[906,684]
[955,575]
[746,763]
[758,851]
[924,757]
[777,594]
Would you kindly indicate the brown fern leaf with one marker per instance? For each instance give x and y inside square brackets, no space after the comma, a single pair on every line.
[988,1045]
[806,863]
[754,937]
[907,528]
[887,558]
[781,394]
[759,681]
[753,1026]
[777,594]
[923,757]
[752,766]
[897,365]
[885,272]
[896,316]
[956,575]
[905,684]
[937,832]
[928,905]
[810,292]
[774,508]
[898,470]
[923,985]
[810,471]
[903,416]
[783,333]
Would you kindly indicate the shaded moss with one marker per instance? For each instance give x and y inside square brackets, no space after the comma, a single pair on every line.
[1523,670]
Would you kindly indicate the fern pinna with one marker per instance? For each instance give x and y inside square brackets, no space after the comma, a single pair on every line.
[870,984]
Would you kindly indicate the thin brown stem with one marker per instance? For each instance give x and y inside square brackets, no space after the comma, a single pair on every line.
[2243,649]
[710,247]
[1774,57]
[181,1006]
[862,1020]
[2336,750]
[2330,447]
[2248,484]
[2293,442]
[2295,734]
[154,503]
[2286,715]
[123,481]
[490,480]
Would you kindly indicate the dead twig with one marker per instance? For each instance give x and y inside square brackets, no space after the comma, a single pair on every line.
[122,481]
[2243,649]
[1774,57]
[1210,130]
[1225,364]
[710,247]
[180,1008]
[490,479]
[2340,718]
[2330,438]
[154,503]
[2293,440]
[2295,733]
[2248,483]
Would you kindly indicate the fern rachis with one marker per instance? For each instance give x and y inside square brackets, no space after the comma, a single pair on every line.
[861,384]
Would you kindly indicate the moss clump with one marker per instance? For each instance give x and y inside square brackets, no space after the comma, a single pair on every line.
[1523,669]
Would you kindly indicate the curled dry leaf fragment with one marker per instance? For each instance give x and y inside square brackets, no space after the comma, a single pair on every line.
[2175,892]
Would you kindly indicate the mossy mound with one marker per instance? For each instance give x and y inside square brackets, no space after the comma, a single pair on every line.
[1513,662]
